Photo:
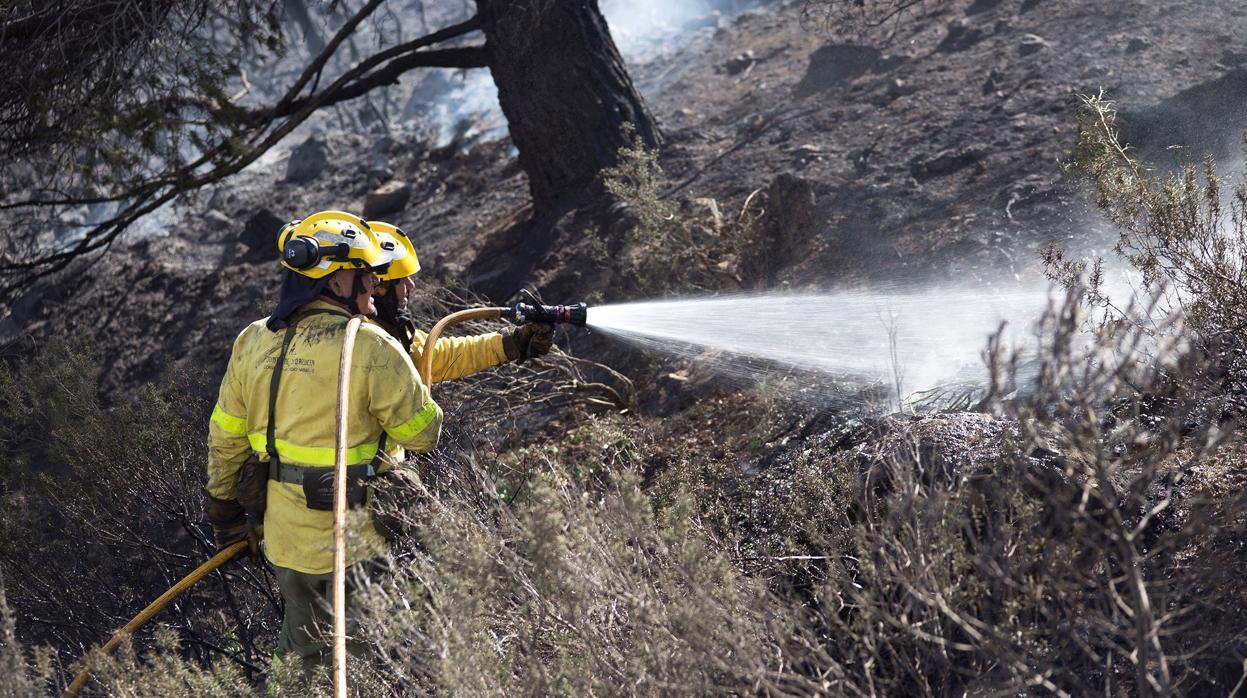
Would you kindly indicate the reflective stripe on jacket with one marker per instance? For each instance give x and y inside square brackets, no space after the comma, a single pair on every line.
[385,393]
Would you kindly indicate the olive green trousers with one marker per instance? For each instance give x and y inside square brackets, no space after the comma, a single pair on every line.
[307,626]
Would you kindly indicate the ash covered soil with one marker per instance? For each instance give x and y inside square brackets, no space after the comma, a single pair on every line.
[929,156]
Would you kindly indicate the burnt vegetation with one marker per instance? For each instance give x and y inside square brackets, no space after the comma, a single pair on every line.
[124,108]
[585,529]
[1080,539]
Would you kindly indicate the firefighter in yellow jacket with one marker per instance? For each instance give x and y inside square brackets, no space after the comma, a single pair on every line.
[453,357]
[274,418]
[276,407]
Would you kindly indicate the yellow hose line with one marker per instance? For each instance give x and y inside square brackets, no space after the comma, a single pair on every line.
[339,511]
[426,354]
[153,608]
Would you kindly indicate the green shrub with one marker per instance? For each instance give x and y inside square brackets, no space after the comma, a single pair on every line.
[636,180]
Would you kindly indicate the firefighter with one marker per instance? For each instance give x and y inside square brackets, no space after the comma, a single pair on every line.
[453,357]
[398,488]
[271,435]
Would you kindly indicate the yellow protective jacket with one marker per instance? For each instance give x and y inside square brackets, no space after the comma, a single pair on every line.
[385,394]
[456,357]
[453,357]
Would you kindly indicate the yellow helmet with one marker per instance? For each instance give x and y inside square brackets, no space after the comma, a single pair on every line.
[327,241]
[402,253]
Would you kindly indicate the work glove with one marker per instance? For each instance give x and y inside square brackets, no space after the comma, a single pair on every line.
[230,525]
[528,340]
[394,494]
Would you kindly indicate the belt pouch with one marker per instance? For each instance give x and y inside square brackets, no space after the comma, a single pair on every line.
[253,487]
[318,488]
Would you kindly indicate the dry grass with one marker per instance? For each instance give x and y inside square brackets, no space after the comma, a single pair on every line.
[1084,538]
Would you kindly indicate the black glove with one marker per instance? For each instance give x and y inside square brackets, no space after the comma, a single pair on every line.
[528,340]
[394,493]
[230,525]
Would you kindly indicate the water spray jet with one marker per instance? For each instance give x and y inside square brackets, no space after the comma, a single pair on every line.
[921,338]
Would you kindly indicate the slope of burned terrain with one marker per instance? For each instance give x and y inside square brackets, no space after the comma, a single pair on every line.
[933,154]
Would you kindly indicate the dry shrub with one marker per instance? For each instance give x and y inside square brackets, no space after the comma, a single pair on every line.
[103,512]
[1069,561]
[765,503]
[1184,231]
[567,591]
[163,671]
[26,673]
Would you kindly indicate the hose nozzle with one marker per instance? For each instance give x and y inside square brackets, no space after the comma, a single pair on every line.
[530,310]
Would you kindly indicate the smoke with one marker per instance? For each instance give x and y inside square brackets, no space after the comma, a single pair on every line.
[648,29]
[466,102]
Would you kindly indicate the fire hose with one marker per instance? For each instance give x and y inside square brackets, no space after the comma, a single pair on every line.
[154,607]
[339,510]
[528,310]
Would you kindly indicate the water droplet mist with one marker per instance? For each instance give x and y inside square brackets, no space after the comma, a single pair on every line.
[911,340]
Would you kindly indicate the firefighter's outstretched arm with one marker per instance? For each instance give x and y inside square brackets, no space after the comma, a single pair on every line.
[456,357]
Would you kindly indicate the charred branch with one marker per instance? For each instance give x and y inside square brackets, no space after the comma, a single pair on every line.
[286,105]
[467,57]
[263,129]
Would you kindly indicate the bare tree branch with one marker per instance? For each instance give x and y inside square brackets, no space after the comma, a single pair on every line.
[259,130]
[467,57]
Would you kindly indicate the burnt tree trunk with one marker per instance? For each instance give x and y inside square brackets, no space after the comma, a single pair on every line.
[565,92]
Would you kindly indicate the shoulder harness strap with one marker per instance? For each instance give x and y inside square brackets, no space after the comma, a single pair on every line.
[270,440]
[381,457]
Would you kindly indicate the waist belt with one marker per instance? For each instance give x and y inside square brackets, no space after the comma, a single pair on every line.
[294,474]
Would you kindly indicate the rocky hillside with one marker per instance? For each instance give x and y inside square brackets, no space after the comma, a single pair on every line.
[834,549]
[930,154]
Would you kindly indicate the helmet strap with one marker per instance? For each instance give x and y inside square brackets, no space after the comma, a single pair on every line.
[387,305]
[394,318]
[352,301]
